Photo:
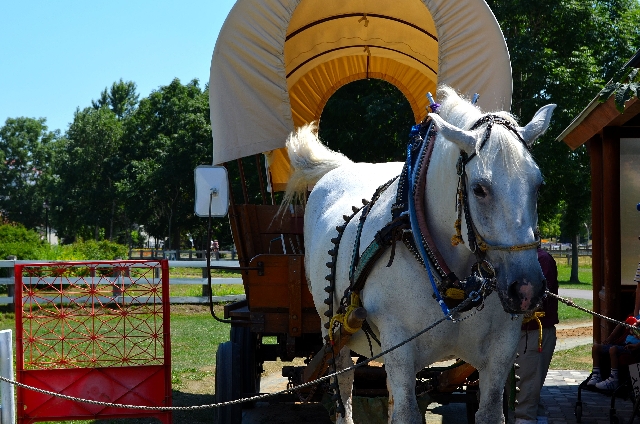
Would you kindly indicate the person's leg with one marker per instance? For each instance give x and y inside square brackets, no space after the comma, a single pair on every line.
[595,371]
[613,356]
[529,384]
[548,347]
[612,382]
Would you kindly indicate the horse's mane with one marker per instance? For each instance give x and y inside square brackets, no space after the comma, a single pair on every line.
[502,144]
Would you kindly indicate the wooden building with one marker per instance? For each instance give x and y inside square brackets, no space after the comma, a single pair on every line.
[613,142]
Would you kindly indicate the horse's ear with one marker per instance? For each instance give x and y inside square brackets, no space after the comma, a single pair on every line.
[465,140]
[538,124]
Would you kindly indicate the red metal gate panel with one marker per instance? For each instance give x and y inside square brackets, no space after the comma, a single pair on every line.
[93,330]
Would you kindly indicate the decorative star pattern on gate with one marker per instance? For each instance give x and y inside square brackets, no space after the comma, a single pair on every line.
[88,315]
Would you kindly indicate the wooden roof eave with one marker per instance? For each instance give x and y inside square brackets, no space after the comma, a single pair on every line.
[595,117]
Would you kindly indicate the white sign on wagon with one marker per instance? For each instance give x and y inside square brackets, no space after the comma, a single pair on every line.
[212,191]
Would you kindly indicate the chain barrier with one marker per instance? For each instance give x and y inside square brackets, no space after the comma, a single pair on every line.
[249,399]
[570,303]
[257,398]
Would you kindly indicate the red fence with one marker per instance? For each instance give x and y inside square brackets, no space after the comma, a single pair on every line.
[93,330]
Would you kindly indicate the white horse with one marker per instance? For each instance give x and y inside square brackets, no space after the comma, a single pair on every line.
[502,181]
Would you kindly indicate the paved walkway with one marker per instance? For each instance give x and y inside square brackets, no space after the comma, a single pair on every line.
[576,293]
[560,393]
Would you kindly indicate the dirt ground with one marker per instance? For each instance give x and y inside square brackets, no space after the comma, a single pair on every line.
[575,332]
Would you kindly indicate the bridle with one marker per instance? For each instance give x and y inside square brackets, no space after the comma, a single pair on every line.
[478,245]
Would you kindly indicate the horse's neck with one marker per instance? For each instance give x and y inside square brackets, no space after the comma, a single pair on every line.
[440,198]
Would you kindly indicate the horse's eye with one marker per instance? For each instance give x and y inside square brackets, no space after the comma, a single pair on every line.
[479,191]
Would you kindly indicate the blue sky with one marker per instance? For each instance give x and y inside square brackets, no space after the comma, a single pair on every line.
[58,55]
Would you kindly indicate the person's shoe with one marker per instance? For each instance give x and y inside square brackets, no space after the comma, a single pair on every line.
[608,384]
[595,379]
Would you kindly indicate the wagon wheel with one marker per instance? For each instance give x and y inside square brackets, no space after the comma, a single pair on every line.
[227,389]
[578,412]
[248,344]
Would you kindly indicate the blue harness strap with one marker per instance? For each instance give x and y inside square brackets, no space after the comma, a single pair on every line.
[412,171]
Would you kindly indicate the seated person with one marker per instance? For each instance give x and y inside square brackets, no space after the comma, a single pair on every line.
[622,346]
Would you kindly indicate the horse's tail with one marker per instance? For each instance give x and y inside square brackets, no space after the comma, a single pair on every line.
[310,160]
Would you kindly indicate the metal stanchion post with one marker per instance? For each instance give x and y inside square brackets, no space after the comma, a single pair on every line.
[8,415]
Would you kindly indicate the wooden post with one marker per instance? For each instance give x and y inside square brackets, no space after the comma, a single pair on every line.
[205,287]
[611,226]
[11,288]
[597,231]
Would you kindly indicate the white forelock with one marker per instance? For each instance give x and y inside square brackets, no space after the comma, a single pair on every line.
[503,144]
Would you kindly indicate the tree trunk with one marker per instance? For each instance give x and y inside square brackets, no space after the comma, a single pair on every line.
[574,258]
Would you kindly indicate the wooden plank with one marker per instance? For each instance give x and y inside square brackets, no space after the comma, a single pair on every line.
[176,300]
[597,229]
[295,295]
[269,291]
[611,225]
[602,115]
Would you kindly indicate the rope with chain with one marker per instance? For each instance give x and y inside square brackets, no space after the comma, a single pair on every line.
[453,311]
[570,303]
[249,399]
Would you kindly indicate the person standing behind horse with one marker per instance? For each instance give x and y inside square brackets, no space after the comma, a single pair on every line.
[535,349]
[215,248]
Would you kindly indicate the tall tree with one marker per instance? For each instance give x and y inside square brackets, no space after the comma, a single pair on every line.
[368,121]
[25,158]
[166,138]
[121,98]
[563,51]
[87,167]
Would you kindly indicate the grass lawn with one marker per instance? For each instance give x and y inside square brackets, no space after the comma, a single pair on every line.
[584,275]
[567,314]
[578,358]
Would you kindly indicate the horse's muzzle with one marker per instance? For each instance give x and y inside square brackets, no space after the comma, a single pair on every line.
[523,296]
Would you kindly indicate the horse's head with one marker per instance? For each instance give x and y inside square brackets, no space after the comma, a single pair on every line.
[500,182]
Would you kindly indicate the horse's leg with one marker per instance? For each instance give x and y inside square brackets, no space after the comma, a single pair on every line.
[492,383]
[401,383]
[345,383]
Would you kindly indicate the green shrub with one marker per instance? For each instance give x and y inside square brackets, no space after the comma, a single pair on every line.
[85,251]
[28,245]
[19,241]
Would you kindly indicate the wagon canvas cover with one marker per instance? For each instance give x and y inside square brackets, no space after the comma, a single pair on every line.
[277,62]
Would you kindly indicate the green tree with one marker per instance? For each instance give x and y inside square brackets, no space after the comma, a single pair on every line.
[166,138]
[368,121]
[122,98]
[563,52]
[88,165]
[26,148]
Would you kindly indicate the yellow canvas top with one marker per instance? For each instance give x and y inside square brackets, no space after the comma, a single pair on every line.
[277,62]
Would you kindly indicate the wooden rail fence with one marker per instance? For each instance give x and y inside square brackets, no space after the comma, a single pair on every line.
[8,280]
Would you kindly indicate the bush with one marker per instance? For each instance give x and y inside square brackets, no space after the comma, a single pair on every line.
[17,240]
[28,245]
[85,251]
